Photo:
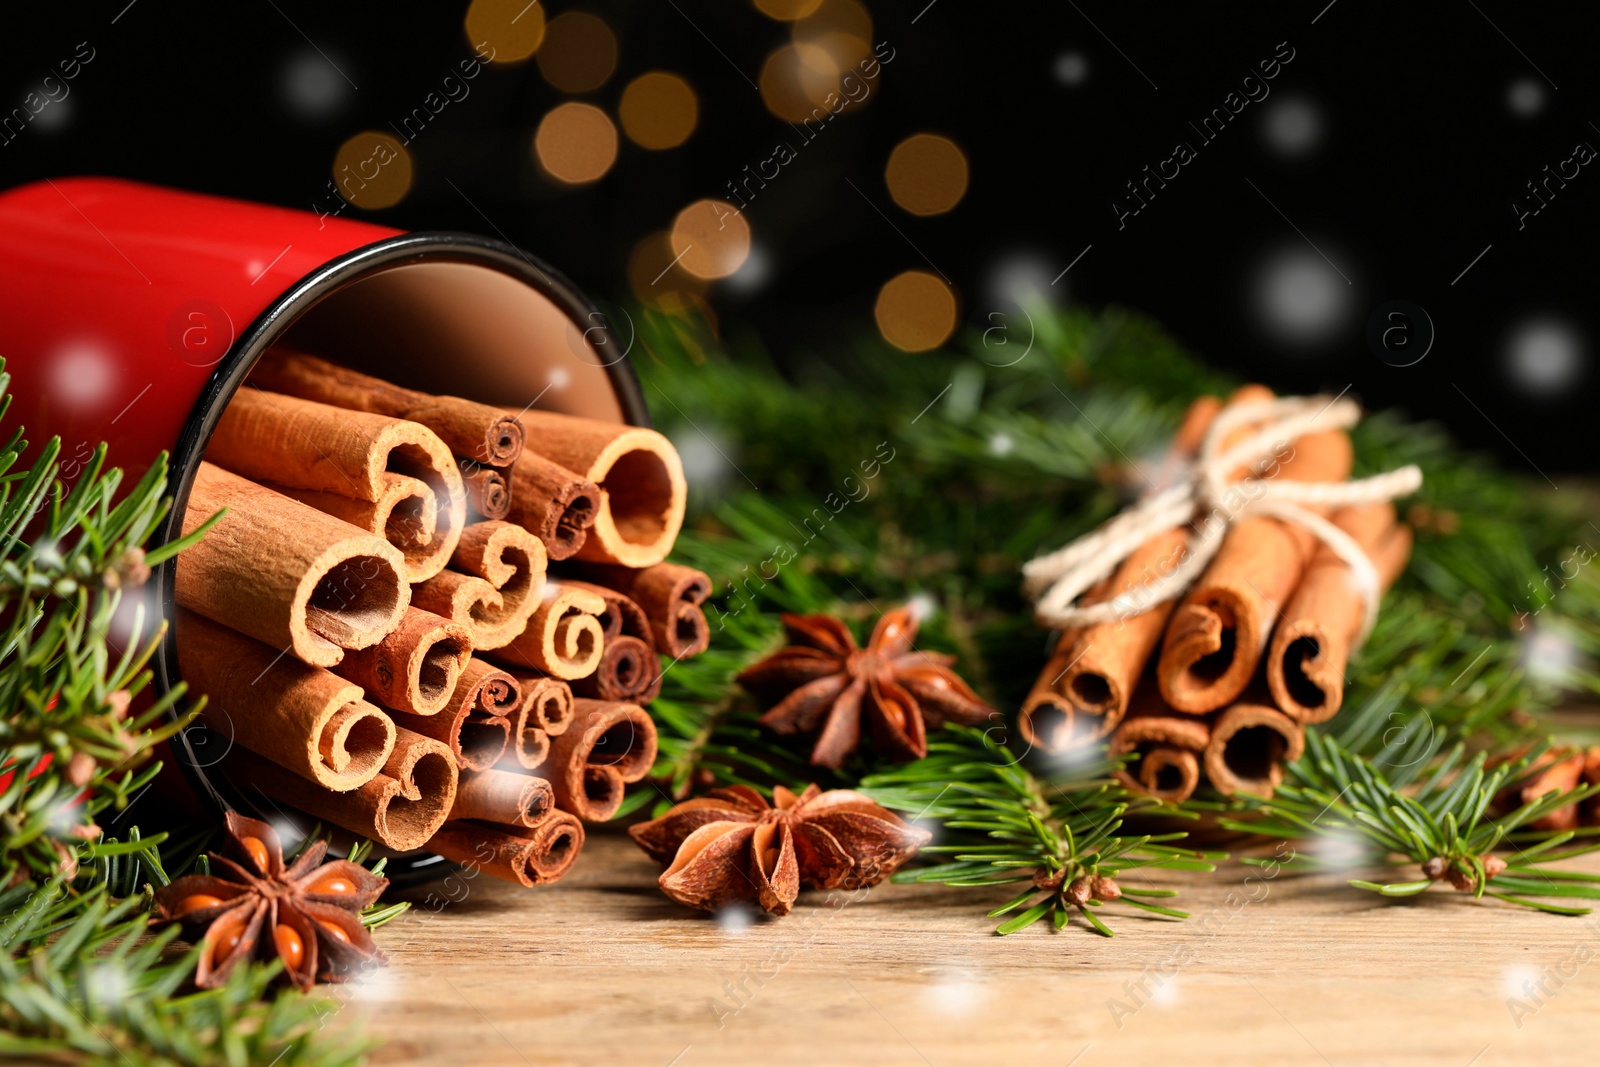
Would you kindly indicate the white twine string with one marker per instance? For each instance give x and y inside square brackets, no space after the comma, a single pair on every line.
[1202,494]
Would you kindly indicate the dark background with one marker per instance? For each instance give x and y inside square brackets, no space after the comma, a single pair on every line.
[1383,162]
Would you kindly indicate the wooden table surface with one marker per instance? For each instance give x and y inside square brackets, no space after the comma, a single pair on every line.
[602,969]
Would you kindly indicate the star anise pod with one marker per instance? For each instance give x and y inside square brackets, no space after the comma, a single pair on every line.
[308,914]
[731,845]
[823,682]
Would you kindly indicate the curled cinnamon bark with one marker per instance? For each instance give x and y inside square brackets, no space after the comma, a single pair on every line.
[478,431]
[405,514]
[488,493]
[563,639]
[303,718]
[1219,630]
[1250,743]
[492,588]
[1312,642]
[305,445]
[416,666]
[488,688]
[640,477]
[609,745]
[400,808]
[286,574]
[526,857]
[503,797]
[475,739]
[556,505]
[629,669]
[545,712]
[1168,745]
[670,595]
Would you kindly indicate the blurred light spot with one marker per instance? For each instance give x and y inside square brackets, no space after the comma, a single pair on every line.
[710,239]
[658,110]
[575,143]
[1299,298]
[735,918]
[1072,68]
[289,835]
[1292,126]
[559,378]
[926,174]
[508,30]
[1165,993]
[312,87]
[1342,850]
[372,170]
[1518,979]
[1544,356]
[753,276]
[107,982]
[656,280]
[132,622]
[1525,97]
[82,376]
[1023,279]
[579,52]
[787,10]
[956,994]
[841,28]
[705,461]
[922,606]
[56,116]
[377,984]
[1001,444]
[915,311]
[1549,656]
[795,81]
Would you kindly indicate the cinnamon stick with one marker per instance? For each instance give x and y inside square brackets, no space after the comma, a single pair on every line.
[400,808]
[488,492]
[556,505]
[492,588]
[1219,630]
[503,797]
[629,669]
[546,852]
[303,718]
[610,745]
[286,574]
[304,445]
[405,514]
[546,712]
[1312,642]
[640,477]
[563,638]
[475,739]
[1168,744]
[1250,743]
[416,666]
[478,431]
[1095,668]
[488,688]
[670,595]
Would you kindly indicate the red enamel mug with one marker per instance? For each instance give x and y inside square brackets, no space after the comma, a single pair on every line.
[130,314]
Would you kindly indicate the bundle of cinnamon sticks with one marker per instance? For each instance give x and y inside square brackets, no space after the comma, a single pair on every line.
[1221,682]
[431,621]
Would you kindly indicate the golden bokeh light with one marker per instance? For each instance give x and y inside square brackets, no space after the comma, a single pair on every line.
[372,170]
[660,282]
[927,174]
[575,143]
[505,31]
[658,110]
[842,28]
[787,10]
[796,80]
[710,239]
[916,311]
[579,52]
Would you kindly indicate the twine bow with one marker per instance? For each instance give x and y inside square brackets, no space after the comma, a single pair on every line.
[1203,495]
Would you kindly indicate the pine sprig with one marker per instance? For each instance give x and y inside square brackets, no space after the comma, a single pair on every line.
[1062,836]
[1443,826]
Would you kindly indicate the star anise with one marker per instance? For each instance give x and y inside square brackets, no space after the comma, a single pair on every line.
[308,914]
[731,845]
[824,682]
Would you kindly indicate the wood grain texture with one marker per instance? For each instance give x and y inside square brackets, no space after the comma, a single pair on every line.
[601,968]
